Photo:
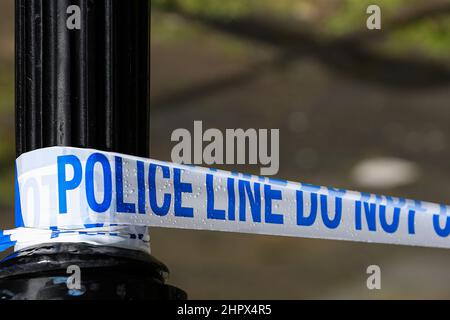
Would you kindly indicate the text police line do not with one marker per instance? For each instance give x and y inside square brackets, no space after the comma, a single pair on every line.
[256,201]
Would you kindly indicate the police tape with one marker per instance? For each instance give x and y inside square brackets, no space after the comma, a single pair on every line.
[104,198]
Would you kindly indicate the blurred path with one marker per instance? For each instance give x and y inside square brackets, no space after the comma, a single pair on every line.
[329,124]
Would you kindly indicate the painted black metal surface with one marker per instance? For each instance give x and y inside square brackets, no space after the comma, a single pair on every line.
[85,87]
[107,274]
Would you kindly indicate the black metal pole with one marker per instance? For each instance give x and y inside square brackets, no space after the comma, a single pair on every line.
[85,86]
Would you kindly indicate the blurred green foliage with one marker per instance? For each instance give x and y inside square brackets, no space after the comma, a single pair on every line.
[352,14]
[335,18]
[229,8]
[429,38]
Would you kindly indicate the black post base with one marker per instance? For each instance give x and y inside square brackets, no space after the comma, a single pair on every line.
[106,273]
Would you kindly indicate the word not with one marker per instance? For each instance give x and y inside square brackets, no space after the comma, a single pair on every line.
[252,142]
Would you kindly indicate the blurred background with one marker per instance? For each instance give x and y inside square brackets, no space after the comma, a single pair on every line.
[356,109]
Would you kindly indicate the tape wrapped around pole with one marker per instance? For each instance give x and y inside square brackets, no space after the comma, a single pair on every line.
[80,189]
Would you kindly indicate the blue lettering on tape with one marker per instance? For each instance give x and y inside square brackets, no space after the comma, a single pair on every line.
[65,185]
[164,209]
[258,204]
[107,183]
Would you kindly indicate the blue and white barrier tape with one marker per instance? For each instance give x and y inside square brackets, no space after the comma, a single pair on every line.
[81,195]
